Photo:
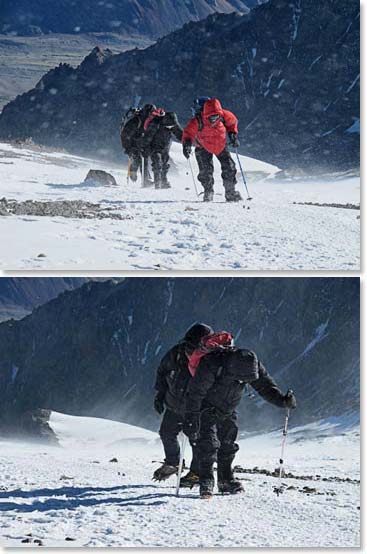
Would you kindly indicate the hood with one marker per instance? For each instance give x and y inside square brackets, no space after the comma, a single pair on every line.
[196,332]
[212,107]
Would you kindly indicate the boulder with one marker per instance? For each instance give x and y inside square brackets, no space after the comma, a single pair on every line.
[97,176]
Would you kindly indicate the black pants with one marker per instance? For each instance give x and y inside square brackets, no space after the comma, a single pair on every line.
[160,165]
[217,443]
[206,169]
[136,163]
[169,430]
[135,159]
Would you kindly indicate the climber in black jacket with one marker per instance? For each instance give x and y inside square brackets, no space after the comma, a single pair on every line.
[159,129]
[172,381]
[210,410]
[131,132]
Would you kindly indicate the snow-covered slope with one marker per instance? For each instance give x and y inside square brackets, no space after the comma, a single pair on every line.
[81,432]
[75,492]
[173,229]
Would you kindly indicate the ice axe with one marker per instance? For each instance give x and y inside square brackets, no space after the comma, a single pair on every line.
[181,462]
[280,489]
[243,174]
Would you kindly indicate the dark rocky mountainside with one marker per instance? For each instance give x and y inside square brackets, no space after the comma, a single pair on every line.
[289,70]
[151,18]
[24,60]
[95,350]
[18,296]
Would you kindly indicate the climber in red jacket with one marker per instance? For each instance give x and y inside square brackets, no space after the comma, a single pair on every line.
[207,131]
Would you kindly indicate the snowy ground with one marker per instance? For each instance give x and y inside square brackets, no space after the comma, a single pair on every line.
[173,229]
[75,492]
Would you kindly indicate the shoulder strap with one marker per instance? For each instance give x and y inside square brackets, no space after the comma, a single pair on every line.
[219,372]
[200,121]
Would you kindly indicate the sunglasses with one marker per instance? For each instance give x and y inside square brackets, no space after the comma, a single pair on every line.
[213,118]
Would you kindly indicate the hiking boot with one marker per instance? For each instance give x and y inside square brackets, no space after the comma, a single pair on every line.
[133,175]
[164,472]
[206,488]
[191,479]
[233,196]
[148,182]
[208,196]
[231,486]
[165,184]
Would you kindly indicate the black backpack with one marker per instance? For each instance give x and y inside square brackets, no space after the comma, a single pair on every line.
[129,115]
[241,365]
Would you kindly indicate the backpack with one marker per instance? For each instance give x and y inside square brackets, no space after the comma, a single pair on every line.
[129,115]
[241,365]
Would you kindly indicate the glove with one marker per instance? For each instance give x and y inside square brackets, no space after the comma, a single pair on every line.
[159,404]
[191,427]
[233,140]
[186,148]
[289,400]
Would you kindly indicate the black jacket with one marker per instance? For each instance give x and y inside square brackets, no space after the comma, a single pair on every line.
[131,132]
[221,378]
[173,378]
[158,136]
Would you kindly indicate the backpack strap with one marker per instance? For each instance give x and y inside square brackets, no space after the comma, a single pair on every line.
[219,372]
[199,117]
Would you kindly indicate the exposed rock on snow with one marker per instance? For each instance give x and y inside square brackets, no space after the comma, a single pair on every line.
[32,424]
[290,475]
[98,176]
[328,205]
[60,208]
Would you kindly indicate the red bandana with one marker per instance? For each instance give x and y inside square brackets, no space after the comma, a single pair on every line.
[159,112]
[207,344]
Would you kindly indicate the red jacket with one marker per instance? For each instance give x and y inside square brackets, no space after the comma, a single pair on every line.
[211,137]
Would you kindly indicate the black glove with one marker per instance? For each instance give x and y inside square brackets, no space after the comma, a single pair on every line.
[186,148]
[159,404]
[233,140]
[289,400]
[191,427]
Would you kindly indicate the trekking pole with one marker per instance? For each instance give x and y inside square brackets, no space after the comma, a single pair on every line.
[285,430]
[142,171]
[193,177]
[180,465]
[279,489]
[243,175]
